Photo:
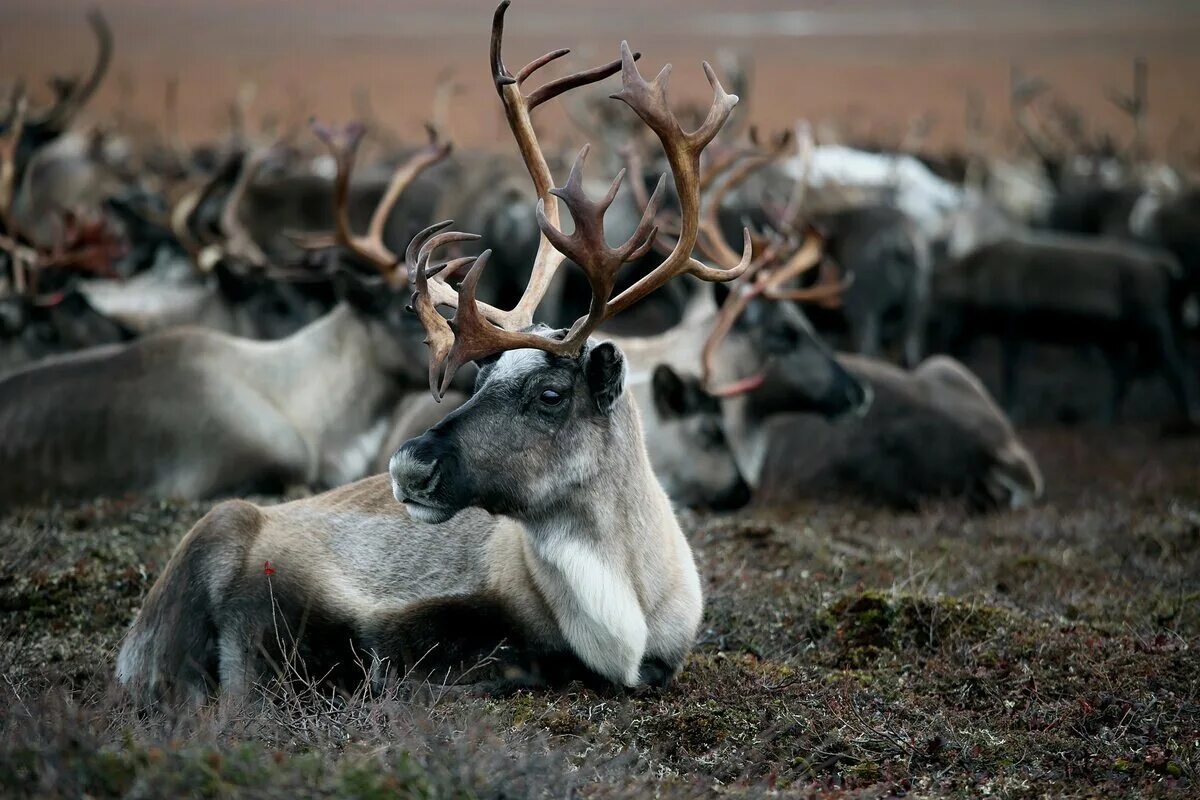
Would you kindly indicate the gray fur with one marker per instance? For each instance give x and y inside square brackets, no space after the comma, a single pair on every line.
[589,556]
[194,413]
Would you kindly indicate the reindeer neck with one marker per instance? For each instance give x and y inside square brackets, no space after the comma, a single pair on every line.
[611,557]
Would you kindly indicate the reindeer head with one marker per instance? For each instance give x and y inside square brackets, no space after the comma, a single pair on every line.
[550,414]
[687,444]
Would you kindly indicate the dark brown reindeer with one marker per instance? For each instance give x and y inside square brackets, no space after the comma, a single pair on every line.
[586,573]
[932,433]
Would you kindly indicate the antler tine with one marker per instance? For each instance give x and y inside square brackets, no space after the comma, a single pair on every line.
[804,151]
[70,104]
[404,175]
[343,144]
[713,242]
[238,241]
[517,108]
[827,291]
[807,256]
[438,334]
[414,246]
[533,66]
[9,143]
[417,257]
[441,240]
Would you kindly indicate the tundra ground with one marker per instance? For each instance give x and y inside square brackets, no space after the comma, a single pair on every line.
[846,651]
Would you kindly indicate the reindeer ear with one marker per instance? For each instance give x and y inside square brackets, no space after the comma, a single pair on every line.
[605,371]
[670,393]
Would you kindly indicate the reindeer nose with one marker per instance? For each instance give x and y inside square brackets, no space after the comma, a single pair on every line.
[411,476]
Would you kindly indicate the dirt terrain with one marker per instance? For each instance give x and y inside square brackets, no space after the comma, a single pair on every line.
[870,66]
[846,651]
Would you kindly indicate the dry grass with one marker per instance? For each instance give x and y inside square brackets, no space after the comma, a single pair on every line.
[846,651]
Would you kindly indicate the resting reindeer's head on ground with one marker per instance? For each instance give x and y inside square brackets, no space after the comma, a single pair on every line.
[551,413]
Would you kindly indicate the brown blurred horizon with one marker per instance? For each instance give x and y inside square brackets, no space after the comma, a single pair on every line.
[869,65]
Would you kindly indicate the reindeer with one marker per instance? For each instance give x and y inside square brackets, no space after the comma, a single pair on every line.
[931,433]
[211,272]
[43,313]
[754,343]
[71,95]
[192,412]
[1031,286]
[530,514]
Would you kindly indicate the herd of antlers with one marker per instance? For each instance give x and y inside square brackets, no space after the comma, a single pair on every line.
[767,261]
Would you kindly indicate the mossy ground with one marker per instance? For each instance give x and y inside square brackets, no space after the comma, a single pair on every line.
[846,651]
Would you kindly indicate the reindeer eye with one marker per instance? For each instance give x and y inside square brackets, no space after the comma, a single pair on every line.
[550,397]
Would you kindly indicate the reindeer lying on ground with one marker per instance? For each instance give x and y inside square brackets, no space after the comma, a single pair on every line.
[933,432]
[586,574]
[197,413]
[212,273]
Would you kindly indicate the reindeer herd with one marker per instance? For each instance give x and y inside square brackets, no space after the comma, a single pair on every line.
[534,397]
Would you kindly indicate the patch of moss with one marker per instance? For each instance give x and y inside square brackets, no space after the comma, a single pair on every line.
[860,627]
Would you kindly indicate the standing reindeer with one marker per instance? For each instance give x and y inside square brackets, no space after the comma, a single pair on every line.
[1123,298]
[586,573]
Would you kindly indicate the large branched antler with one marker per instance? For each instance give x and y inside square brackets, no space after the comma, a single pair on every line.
[769,281]
[478,330]
[343,144]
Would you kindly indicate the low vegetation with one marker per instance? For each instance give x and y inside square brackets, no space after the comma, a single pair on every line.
[847,651]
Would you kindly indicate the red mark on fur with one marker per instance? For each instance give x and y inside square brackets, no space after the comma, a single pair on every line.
[268,570]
